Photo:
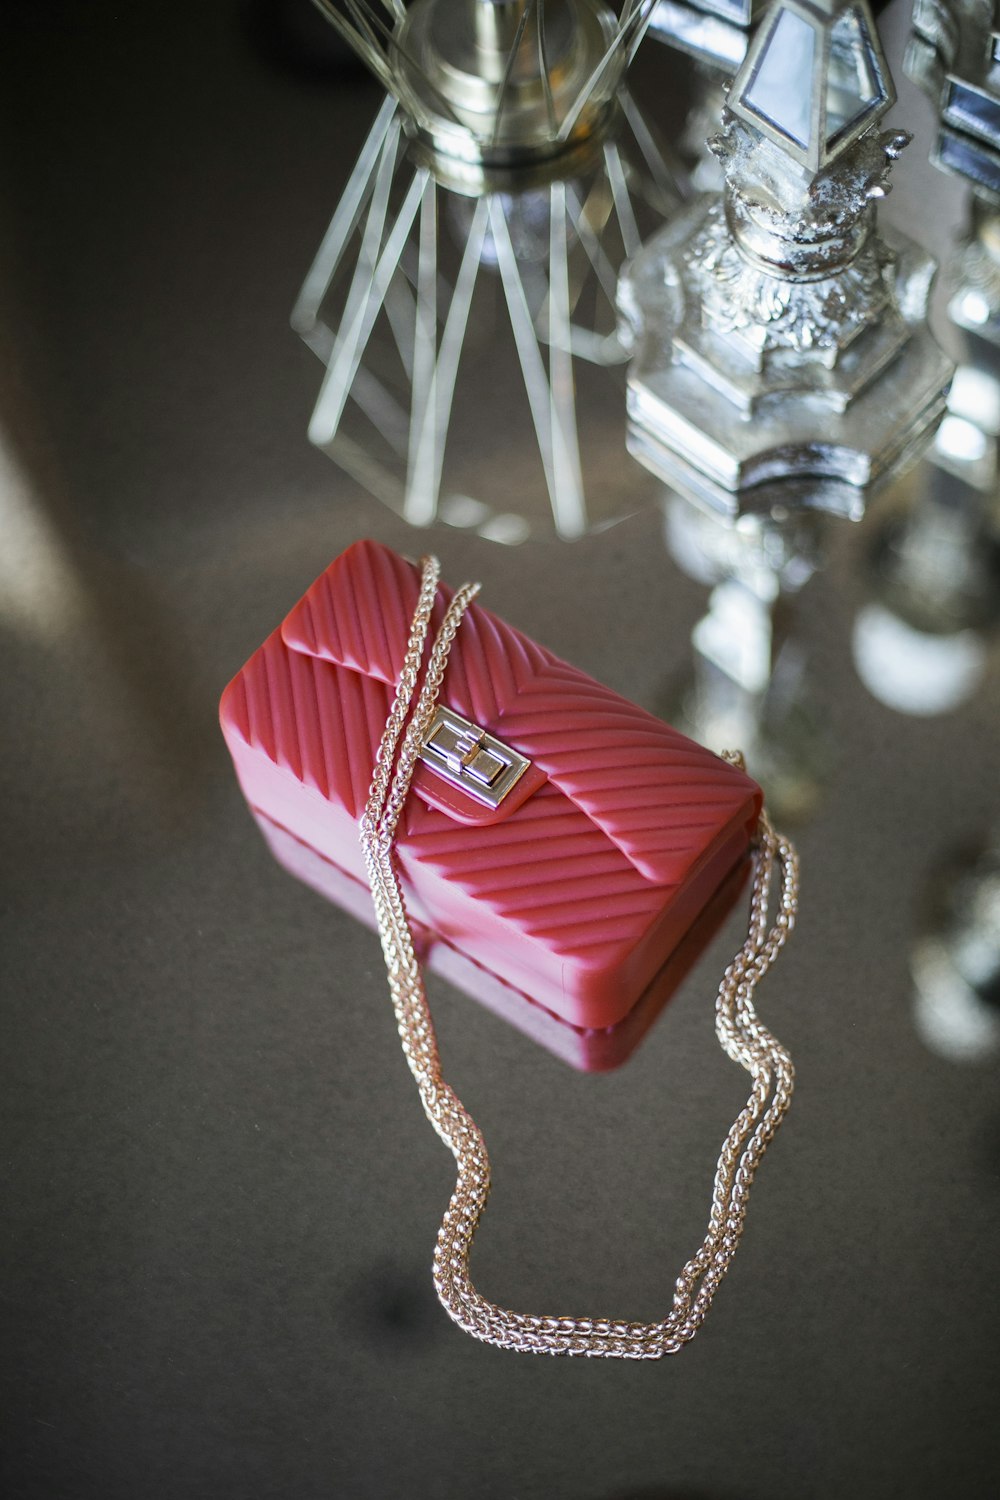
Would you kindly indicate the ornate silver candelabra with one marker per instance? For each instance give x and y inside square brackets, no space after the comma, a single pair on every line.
[776,331]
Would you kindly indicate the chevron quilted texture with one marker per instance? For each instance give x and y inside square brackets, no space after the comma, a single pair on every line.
[662,799]
[548,872]
[357,614]
[320,723]
[577,878]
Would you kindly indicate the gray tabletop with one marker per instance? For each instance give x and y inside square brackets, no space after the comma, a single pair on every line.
[221,1195]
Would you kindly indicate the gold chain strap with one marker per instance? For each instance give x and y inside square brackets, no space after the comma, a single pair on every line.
[741,1034]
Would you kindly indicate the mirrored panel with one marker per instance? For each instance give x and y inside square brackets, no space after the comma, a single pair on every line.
[789,54]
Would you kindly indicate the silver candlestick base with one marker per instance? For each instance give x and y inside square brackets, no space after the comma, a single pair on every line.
[741,377]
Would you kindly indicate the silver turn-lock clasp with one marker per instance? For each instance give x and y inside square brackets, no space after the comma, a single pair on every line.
[471,759]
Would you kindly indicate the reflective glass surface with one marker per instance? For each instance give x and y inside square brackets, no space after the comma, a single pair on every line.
[220,1191]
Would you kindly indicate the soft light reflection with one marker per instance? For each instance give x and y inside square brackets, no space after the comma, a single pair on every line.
[975,395]
[769,553]
[40,595]
[736,636]
[975,308]
[470,514]
[949,1016]
[959,440]
[912,671]
[955,962]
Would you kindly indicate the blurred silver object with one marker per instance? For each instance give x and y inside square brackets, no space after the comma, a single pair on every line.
[477,245]
[776,331]
[487,85]
[749,682]
[954,54]
[922,641]
[955,960]
[716,33]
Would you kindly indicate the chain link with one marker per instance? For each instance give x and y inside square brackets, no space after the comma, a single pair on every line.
[741,1034]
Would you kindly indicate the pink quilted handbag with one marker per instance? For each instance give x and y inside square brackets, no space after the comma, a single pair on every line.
[516,815]
[581,881]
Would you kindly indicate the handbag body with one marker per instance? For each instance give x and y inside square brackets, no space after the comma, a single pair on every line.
[571,878]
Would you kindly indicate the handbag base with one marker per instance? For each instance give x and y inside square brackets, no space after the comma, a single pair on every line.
[587,1049]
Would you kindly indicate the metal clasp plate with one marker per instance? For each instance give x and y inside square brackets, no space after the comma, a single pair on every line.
[470,758]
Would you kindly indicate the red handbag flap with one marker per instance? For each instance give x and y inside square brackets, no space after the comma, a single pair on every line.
[663,800]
